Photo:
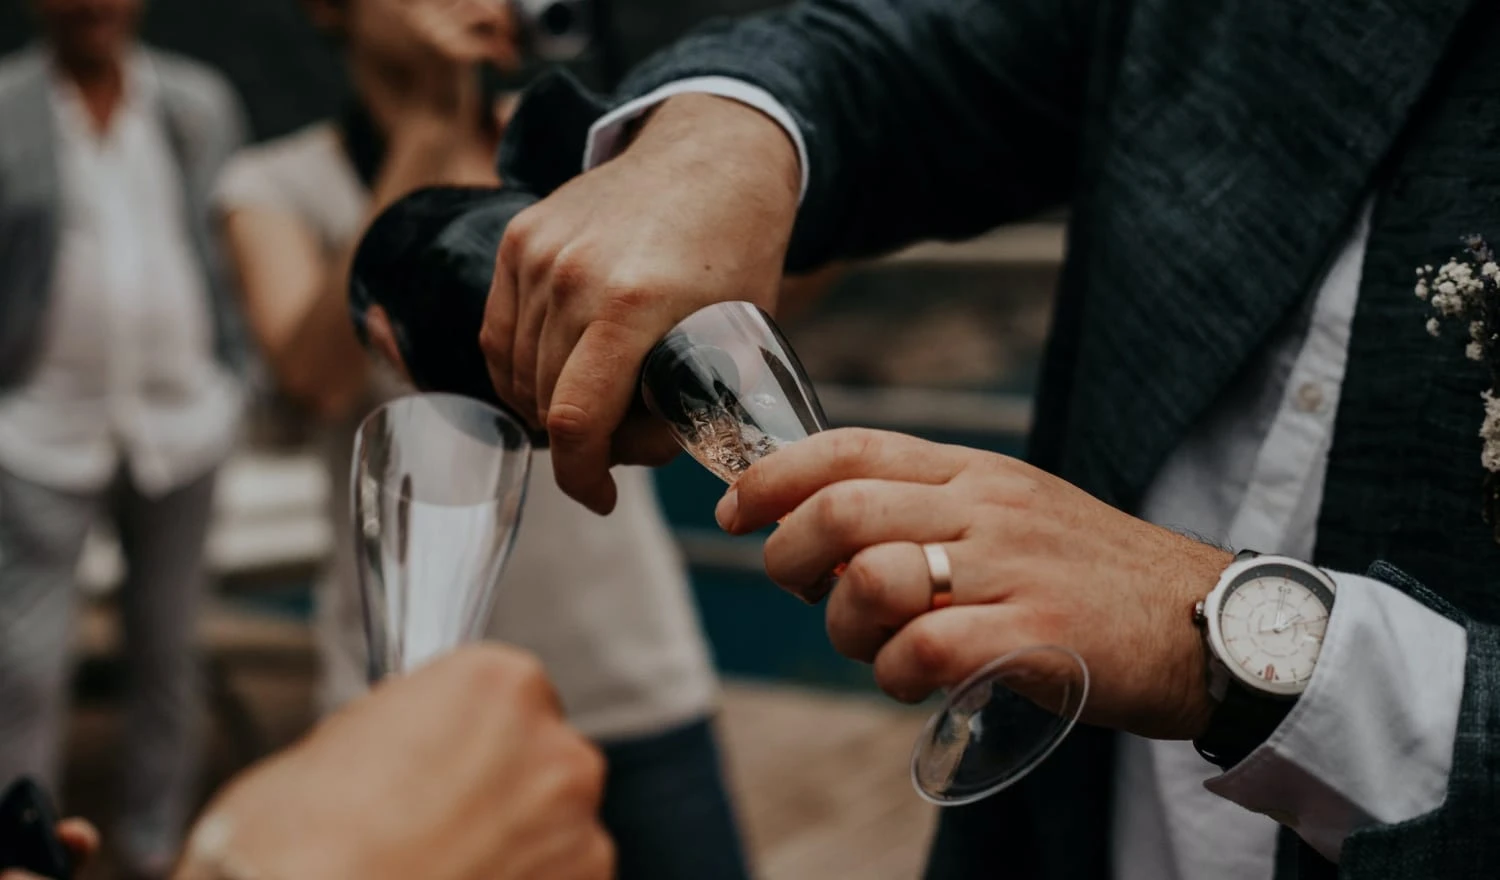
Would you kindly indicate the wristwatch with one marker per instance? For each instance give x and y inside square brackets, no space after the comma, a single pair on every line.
[1263,625]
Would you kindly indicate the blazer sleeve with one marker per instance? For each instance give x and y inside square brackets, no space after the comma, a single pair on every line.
[1457,839]
[922,118]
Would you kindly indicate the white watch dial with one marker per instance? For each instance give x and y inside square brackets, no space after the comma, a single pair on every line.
[1271,627]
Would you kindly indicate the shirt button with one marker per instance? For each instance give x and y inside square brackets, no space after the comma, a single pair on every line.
[1310,397]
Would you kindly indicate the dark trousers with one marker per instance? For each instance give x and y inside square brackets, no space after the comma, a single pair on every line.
[667,807]
[42,533]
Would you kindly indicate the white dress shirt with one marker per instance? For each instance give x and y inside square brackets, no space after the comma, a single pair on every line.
[127,373]
[1371,739]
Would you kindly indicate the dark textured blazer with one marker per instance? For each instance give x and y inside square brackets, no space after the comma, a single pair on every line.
[1215,154]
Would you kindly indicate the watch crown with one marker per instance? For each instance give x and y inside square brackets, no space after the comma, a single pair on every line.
[1199,616]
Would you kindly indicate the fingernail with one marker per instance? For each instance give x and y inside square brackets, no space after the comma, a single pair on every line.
[728,510]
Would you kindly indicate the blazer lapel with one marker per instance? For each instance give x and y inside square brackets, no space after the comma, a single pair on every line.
[28,151]
[1274,122]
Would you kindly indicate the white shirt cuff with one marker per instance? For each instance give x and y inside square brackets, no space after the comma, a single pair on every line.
[607,133]
[1371,739]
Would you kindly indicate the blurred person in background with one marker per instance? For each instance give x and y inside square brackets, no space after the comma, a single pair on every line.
[118,385]
[604,602]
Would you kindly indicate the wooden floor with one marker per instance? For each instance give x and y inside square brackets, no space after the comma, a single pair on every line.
[823,784]
[820,780]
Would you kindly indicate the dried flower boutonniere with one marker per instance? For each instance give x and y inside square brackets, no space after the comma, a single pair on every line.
[1466,291]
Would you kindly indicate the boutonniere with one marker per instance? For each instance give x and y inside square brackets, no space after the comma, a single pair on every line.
[1465,293]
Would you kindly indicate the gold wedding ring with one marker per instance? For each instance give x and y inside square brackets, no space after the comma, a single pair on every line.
[940,572]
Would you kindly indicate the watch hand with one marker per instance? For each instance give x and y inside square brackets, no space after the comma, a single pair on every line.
[1284,624]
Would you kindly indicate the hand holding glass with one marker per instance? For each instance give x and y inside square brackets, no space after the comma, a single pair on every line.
[732,391]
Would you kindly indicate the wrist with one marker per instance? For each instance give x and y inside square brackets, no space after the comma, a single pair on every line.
[724,134]
[1193,703]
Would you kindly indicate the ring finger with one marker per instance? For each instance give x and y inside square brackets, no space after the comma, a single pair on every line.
[840,520]
[883,588]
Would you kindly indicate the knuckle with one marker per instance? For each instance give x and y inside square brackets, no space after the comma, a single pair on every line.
[516,241]
[852,446]
[572,274]
[581,768]
[568,422]
[494,342]
[867,581]
[530,675]
[832,509]
[524,226]
[930,652]
[483,669]
[493,669]
[626,297]
[590,768]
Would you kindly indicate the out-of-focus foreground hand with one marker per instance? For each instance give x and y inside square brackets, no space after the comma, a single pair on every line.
[1034,561]
[462,769]
[78,835]
[698,210]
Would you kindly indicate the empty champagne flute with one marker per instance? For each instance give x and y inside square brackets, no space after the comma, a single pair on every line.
[438,484]
[732,391]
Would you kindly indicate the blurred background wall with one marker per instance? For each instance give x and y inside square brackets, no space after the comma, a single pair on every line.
[288,76]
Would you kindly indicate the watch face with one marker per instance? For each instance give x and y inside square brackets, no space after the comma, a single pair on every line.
[1270,625]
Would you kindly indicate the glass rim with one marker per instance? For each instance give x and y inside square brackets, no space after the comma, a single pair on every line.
[523,448]
[980,676]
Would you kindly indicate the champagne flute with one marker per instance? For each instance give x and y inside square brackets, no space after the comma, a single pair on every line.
[732,391]
[438,484]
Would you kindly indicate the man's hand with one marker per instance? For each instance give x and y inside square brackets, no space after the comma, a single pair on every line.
[1035,561]
[698,210]
[462,769]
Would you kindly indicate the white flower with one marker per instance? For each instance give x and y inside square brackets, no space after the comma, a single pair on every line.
[1474,351]
[1422,290]
[1491,271]
[1448,288]
[1476,331]
[1432,326]
[1490,433]
[1448,302]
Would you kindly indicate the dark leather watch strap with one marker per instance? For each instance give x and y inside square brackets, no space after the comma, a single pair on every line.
[1241,723]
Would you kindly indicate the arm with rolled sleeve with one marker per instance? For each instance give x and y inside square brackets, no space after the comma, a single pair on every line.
[914,118]
[1384,765]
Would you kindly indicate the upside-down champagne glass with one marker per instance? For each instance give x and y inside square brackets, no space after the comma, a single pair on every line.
[438,484]
[732,390]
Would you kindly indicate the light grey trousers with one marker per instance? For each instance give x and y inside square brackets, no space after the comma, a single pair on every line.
[42,534]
